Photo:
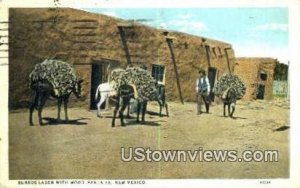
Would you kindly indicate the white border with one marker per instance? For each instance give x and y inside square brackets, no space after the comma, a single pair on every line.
[294,50]
[150,3]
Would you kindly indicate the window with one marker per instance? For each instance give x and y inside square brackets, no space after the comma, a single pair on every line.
[158,72]
[263,76]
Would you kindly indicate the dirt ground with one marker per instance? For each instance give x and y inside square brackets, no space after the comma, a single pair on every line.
[89,148]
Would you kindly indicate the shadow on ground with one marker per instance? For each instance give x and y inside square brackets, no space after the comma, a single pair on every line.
[283,128]
[147,123]
[234,117]
[54,121]
[155,114]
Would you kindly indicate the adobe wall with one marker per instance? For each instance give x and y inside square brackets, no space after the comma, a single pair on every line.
[80,37]
[249,69]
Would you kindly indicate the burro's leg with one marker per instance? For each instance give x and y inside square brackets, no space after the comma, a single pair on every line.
[167,110]
[121,113]
[160,103]
[128,110]
[115,112]
[66,100]
[103,97]
[144,109]
[40,109]
[224,109]
[138,112]
[59,101]
[229,109]
[232,109]
[41,102]
[33,104]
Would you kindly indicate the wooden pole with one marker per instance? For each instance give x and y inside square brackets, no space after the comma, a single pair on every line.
[207,55]
[124,43]
[169,41]
[227,59]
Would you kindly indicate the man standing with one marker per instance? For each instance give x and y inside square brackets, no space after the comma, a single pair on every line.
[203,90]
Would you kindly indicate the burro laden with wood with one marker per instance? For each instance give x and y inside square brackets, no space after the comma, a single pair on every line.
[229,88]
[52,78]
[137,83]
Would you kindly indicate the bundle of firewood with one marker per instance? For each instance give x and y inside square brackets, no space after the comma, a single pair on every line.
[230,81]
[140,78]
[60,74]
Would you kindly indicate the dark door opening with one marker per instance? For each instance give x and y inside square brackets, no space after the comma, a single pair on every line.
[100,72]
[261,92]
[212,73]
[96,79]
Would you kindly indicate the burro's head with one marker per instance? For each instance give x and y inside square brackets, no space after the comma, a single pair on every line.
[77,88]
[153,93]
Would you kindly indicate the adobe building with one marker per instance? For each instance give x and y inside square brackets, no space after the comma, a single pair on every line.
[258,75]
[95,44]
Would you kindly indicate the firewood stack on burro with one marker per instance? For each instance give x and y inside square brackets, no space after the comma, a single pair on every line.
[229,88]
[109,89]
[140,78]
[52,78]
[136,83]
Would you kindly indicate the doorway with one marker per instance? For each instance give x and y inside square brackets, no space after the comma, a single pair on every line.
[100,71]
[96,79]
[261,92]
[212,73]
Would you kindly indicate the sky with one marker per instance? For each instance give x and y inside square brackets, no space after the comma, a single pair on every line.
[253,32]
